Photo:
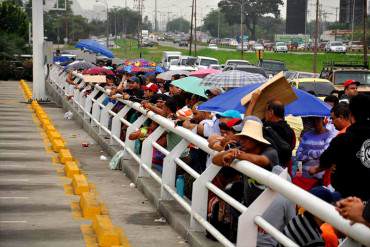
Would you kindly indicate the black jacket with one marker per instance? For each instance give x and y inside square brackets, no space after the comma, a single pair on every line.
[283,129]
[350,152]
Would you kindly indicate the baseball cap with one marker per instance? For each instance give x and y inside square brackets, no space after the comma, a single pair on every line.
[152,87]
[229,114]
[350,82]
[325,194]
[133,79]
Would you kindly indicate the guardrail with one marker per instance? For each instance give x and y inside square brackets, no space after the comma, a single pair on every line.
[109,123]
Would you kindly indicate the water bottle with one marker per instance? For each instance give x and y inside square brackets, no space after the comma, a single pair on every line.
[180,185]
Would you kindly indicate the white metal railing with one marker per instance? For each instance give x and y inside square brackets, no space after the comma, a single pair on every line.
[109,123]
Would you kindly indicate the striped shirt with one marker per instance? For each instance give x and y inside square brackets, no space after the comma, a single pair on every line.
[304,231]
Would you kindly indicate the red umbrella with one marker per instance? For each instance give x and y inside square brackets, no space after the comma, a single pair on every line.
[204,72]
[98,71]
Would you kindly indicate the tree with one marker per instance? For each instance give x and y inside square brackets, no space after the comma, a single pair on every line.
[13,20]
[215,21]
[147,25]
[178,25]
[268,26]
[125,19]
[253,10]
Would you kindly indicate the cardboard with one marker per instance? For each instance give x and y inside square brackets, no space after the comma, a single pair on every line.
[94,78]
[277,88]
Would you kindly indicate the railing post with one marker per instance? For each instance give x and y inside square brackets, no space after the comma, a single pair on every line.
[199,198]
[169,168]
[105,116]
[89,103]
[147,150]
[134,126]
[96,110]
[116,123]
[247,229]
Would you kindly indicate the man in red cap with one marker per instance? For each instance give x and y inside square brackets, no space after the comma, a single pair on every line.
[350,90]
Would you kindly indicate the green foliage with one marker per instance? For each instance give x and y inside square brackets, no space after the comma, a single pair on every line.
[253,10]
[13,19]
[124,19]
[178,25]
[216,20]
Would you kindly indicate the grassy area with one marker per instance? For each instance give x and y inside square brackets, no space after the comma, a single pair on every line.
[296,62]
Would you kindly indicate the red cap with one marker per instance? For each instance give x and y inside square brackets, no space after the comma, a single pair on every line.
[233,122]
[350,82]
[152,87]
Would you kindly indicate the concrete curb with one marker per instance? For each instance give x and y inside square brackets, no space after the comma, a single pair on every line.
[175,215]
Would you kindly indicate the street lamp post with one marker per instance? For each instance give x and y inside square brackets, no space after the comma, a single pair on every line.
[107,28]
[241,29]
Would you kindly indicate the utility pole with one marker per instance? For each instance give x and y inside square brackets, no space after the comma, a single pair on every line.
[353,16]
[241,29]
[366,62]
[38,50]
[195,27]
[155,16]
[316,37]
[218,26]
[191,27]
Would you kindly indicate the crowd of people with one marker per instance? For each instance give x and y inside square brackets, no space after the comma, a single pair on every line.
[331,159]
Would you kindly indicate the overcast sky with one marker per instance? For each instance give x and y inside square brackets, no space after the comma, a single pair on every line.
[176,8]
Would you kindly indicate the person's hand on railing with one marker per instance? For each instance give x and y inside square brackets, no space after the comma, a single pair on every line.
[352,208]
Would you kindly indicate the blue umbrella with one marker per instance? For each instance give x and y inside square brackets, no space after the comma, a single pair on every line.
[94,46]
[306,105]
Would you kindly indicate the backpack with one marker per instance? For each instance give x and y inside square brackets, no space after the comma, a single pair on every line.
[279,144]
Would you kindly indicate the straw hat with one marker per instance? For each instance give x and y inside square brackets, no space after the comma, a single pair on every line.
[253,129]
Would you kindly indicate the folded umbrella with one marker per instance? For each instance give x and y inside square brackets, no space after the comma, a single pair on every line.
[232,79]
[306,105]
[204,72]
[166,76]
[192,85]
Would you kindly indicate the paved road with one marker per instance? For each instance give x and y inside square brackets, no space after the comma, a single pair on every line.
[34,210]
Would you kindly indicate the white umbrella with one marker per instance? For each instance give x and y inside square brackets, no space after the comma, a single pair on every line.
[168,74]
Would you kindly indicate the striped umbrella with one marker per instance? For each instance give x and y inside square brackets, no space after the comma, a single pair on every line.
[232,79]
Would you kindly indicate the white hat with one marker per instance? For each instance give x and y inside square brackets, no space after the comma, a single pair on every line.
[253,129]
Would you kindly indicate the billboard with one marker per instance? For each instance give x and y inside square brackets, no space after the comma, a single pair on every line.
[296,16]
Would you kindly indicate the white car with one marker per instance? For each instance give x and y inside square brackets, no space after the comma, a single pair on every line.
[258,47]
[336,47]
[245,47]
[212,47]
[280,47]
[205,62]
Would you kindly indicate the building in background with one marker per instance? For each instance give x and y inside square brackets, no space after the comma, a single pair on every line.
[296,14]
[346,11]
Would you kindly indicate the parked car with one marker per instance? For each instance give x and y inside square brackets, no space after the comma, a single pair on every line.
[236,62]
[280,47]
[149,43]
[168,56]
[247,68]
[258,47]
[212,47]
[205,62]
[321,87]
[183,42]
[183,63]
[338,73]
[336,47]
[272,67]
[245,47]
[292,75]
[356,46]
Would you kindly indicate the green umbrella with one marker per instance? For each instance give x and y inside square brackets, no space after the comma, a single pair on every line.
[192,85]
